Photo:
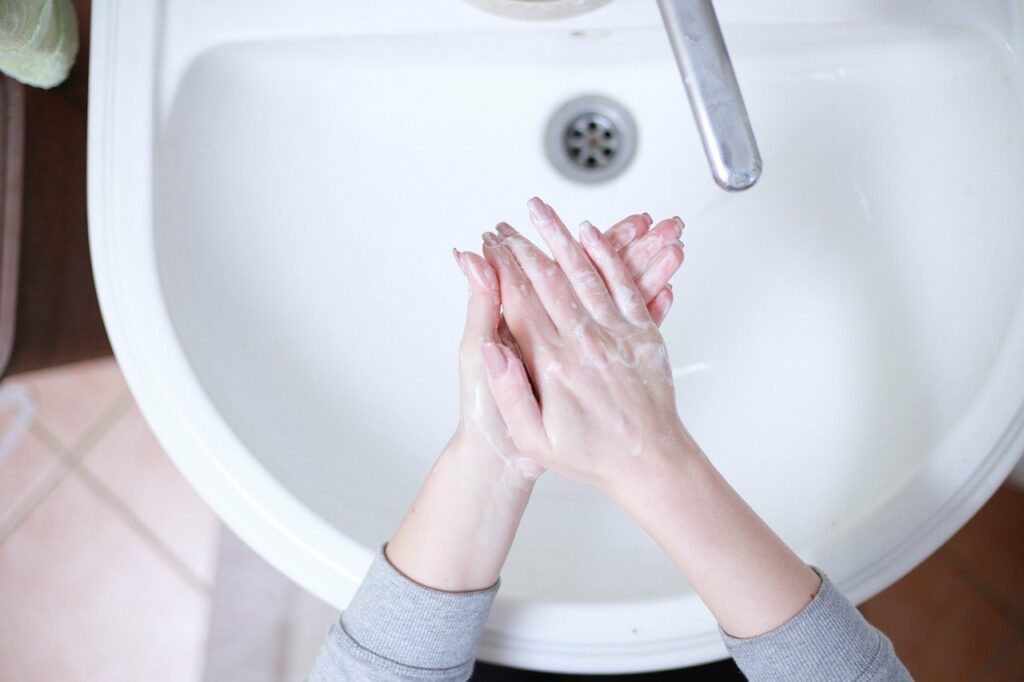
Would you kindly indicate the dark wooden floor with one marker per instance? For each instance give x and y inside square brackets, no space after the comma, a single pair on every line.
[58,317]
[960,614]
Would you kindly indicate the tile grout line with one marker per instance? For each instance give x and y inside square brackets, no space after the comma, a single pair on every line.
[118,408]
[75,460]
[71,461]
[145,533]
[37,491]
[66,458]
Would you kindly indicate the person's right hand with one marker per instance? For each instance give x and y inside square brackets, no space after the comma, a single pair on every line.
[652,261]
[459,530]
[604,409]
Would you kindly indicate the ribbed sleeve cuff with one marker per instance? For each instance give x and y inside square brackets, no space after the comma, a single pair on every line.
[414,630]
[828,640]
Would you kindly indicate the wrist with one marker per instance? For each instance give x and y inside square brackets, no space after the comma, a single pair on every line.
[458,532]
[661,475]
[749,578]
[482,468]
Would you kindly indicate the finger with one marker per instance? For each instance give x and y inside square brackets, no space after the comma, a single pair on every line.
[504,230]
[505,335]
[584,278]
[525,313]
[639,255]
[660,304]
[513,394]
[484,308]
[549,281]
[628,230]
[617,279]
[660,270]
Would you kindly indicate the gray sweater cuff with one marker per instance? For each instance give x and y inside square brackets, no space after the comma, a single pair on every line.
[394,624]
[828,640]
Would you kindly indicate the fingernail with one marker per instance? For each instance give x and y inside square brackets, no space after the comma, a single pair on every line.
[668,286]
[647,217]
[539,211]
[489,238]
[495,360]
[588,233]
[674,230]
[505,230]
[458,260]
[680,221]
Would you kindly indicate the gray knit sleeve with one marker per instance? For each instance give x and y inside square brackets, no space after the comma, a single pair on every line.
[828,641]
[396,630]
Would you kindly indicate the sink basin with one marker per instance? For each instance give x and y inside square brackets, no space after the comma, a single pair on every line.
[273,197]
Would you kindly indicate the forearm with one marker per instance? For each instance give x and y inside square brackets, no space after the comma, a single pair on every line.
[423,604]
[750,580]
[459,530]
[780,619]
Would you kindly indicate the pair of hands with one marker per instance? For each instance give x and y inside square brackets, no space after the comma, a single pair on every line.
[561,364]
[562,367]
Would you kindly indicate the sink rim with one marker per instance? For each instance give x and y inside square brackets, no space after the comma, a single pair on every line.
[255,504]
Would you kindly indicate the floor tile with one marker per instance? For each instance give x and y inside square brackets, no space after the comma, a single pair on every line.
[84,598]
[129,461]
[26,466]
[70,399]
[992,544]
[311,620]
[941,626]
[250,617]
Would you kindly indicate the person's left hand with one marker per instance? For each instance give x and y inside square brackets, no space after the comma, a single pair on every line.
[652,255]
[458,532]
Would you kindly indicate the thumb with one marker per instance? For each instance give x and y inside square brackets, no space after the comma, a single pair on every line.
[484,309]
[513,394]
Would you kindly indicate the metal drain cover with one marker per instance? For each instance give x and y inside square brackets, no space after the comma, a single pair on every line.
[590,139]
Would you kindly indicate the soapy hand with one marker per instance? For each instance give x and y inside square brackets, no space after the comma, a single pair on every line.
[652,257]
[457,533]
[601,404]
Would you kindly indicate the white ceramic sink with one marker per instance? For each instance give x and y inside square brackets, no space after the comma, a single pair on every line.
[274,194]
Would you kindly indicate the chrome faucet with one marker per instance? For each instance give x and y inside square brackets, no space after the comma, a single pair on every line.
[714,94]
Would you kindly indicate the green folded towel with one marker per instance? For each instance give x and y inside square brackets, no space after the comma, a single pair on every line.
[38,40]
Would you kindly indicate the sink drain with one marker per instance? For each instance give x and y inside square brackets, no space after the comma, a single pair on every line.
[590,139]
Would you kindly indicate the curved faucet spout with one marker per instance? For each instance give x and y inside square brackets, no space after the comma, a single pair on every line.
[714,94]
